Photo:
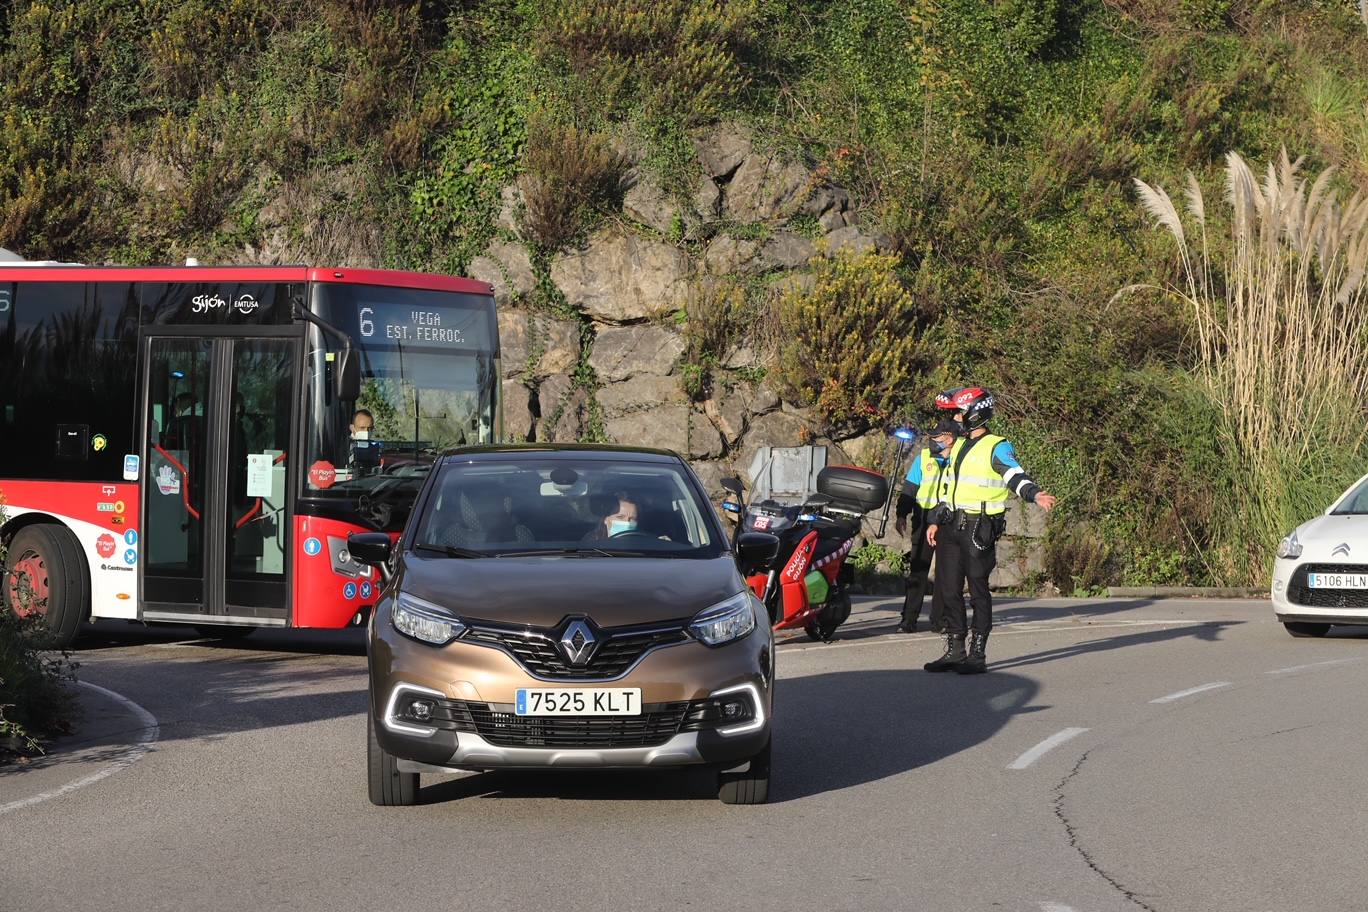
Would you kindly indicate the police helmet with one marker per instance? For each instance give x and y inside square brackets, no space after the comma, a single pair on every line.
[977,405]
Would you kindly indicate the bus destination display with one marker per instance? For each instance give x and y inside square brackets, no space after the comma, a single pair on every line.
[406,324]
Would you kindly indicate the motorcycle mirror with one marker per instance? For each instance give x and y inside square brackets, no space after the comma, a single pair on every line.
[732,484]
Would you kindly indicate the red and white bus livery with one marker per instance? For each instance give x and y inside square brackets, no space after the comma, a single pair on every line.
[193,445]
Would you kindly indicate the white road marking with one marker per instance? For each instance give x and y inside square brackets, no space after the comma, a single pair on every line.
[1190,691]
[150,732]
[800,644]
[1055,907]
[1049,744]
[1279,671]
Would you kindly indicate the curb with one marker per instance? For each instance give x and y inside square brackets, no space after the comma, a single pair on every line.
[1161,592]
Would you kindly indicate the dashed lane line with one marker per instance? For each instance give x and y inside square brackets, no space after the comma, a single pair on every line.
[1044,747]
[1292,668]
[149,733]
[1201,688]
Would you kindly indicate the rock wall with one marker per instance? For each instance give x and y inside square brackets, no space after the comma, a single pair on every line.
[601,353]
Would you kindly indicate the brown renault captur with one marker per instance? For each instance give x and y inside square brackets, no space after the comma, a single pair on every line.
[567,607]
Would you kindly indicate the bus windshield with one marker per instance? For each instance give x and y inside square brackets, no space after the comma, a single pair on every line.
[429,382]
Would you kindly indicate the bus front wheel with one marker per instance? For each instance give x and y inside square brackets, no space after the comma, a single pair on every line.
[45,574]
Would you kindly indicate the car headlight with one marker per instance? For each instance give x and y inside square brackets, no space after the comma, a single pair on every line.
[724,622]
[425,621]
[1290,547]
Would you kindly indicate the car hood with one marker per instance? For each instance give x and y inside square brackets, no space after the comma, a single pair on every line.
[542,591]
[1339,539]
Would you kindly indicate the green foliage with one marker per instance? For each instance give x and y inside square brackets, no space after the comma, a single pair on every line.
[873,556]
[850,344]
[455,196]
[679,58]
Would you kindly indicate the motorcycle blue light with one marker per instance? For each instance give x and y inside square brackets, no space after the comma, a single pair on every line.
[731,507]
[904,433]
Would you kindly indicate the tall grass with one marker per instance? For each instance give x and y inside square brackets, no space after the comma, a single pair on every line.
[1281,339]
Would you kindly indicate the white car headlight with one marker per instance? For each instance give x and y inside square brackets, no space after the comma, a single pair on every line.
[724,622]
[425,621]
[1290,547]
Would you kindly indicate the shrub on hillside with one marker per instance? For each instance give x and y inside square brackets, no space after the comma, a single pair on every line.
[849,345]
[681,58]
[568,174]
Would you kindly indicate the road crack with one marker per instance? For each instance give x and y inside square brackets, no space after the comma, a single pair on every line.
[1072,833]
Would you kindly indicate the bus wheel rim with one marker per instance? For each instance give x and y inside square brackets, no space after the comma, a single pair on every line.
[29,571]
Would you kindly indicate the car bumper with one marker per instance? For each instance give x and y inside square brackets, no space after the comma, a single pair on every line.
[462,676]
[1287,610]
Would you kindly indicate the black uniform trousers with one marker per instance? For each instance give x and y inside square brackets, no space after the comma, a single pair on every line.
[918,565]
[959,557]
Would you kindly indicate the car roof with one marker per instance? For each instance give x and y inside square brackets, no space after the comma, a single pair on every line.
[580,451]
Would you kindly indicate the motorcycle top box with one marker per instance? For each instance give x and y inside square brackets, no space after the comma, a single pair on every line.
[852,488]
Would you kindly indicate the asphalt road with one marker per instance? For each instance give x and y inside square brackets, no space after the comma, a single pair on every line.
[1079,774]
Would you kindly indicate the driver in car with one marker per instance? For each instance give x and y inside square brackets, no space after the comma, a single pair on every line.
[622,519]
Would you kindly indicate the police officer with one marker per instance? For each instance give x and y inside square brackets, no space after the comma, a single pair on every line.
[922,490]
[983,471]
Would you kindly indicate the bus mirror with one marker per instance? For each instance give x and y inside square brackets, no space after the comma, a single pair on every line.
[347,373]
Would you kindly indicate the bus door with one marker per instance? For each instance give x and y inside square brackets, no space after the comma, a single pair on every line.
[218,416]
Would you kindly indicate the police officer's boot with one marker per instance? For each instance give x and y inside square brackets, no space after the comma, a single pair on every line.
[977,660]
[954,654]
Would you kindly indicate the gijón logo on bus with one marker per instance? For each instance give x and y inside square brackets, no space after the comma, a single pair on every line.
[206,302]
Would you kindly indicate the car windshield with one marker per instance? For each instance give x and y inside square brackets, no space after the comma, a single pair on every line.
[583,508]
[1356,503]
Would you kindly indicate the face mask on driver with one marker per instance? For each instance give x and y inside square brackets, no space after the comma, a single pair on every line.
[619,526]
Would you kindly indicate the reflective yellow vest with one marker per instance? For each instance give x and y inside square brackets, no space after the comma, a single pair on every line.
[935,481]
[975,486]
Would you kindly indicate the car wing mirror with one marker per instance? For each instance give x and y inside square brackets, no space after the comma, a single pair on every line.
[757,549]
[372,548]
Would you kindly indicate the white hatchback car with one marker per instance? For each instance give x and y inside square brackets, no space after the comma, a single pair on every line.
[1321,575]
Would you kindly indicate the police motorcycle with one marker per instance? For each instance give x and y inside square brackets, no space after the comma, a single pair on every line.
[808,584]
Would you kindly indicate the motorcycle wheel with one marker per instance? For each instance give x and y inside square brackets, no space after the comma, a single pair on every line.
[833,614]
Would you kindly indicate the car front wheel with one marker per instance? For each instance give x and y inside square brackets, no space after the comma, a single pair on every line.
[389,786]
[1306,628]
[750,786]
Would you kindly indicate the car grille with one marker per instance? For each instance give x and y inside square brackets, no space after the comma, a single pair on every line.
[1301,594]
[497,724]
[537,650]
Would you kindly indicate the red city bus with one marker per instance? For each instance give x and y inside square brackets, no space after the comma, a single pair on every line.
[193,444]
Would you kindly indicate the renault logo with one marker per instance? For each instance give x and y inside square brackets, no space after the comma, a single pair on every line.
[578,642]
[1341,550]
